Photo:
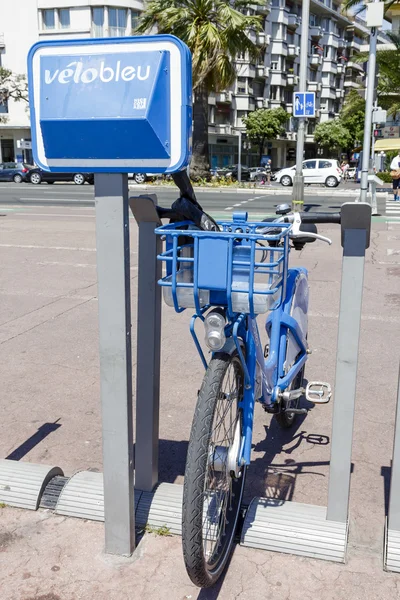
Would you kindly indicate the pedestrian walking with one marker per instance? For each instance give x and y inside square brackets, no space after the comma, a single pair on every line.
[345,168]
[395,174]
[268,171]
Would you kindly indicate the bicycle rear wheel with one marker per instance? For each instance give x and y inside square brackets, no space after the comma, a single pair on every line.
[213,484]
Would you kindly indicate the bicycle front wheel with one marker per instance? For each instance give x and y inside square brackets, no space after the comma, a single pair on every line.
[213,486]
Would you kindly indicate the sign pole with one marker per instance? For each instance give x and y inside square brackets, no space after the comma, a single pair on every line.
[298,183]
[114,298]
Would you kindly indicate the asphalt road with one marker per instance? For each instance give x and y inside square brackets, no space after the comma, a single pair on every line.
[218,202]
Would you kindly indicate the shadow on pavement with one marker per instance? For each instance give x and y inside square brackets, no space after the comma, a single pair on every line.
[386,473]
[35,439]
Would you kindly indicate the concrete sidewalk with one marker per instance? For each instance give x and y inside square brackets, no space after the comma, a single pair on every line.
[50,414]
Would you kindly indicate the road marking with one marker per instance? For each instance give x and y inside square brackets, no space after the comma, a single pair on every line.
[48,200]
[32,247]
[391,252]
[32,214]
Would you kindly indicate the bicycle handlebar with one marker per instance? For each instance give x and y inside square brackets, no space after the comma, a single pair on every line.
[321,218]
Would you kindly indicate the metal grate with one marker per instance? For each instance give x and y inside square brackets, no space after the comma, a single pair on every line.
[52,492]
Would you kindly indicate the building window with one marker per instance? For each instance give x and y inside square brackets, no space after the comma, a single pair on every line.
[48,19]
[241,85]
[117,22]
[275,92]
[98,21]
[275,31]
[63,15]
[135,19]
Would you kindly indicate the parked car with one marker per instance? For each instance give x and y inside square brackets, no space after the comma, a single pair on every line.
[36,175]
[257,173]
[233,172]
[143,177]
[327,172]
[12,171]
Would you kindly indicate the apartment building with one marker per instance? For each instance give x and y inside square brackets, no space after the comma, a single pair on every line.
[334,39]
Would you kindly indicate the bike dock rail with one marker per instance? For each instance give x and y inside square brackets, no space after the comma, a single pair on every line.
[283,526]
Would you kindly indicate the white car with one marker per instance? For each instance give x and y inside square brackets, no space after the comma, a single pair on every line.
[318,170]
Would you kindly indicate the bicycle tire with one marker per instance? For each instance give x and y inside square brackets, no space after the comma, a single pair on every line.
[203,567]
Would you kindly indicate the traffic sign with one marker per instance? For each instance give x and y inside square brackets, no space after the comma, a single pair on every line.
[111,105]
[304,104]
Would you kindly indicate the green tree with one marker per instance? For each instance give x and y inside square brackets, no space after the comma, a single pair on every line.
[265,124]
[333,135]
[13,87]
[352,116]
[388,67]
[215,32]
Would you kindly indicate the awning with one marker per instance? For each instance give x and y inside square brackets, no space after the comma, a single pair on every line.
[387,144]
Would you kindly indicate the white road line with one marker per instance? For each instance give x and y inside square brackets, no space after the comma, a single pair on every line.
[56,199]
[228,208]
[32,247]
[391,252]
[237,204]
[31,214]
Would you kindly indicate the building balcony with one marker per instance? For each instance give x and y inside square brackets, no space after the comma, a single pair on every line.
[328,92]
[341,68]
[224,96]
[342,43]
[339,93]
[329,66]
[278,78]
[246,69]
[349,83]
[315,59]
[266,103]
[260,102]
[2,42]
[223,128]
[313,86]
[262,71]
[293,21]
[264,9]
[261,38]
[291,135]
[293,50]
[275,103]
[356,66]
[243,103]
[279,47]
[309,138]
[289,108]
[354,44]
[316,31]
[211,98]
[292,79]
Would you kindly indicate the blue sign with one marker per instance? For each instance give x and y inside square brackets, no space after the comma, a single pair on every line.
[111,105]
[304,104]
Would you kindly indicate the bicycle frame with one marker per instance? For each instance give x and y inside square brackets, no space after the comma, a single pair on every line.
[287,330]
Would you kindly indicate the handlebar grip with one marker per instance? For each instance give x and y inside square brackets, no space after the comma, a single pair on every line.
[321,218]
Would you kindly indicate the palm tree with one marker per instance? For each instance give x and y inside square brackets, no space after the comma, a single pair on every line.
[215,32]
[388,63]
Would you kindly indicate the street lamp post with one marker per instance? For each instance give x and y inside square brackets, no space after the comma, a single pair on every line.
[298,183]
[374,20]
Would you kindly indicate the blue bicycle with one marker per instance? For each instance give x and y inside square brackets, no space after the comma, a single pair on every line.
[230,272]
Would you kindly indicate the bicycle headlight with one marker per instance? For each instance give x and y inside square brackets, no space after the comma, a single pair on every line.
[214,325]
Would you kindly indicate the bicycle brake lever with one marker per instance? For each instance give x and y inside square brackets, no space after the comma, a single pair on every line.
[315,236]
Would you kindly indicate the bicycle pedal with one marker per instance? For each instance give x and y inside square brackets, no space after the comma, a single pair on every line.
[318,392]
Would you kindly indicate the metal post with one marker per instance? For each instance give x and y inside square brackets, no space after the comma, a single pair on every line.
[148,344]
[113,275]
[394,499]
[356,223]
[298,183]
[373,38]
[240,157]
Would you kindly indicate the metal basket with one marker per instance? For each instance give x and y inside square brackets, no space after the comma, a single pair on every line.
[236,267]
